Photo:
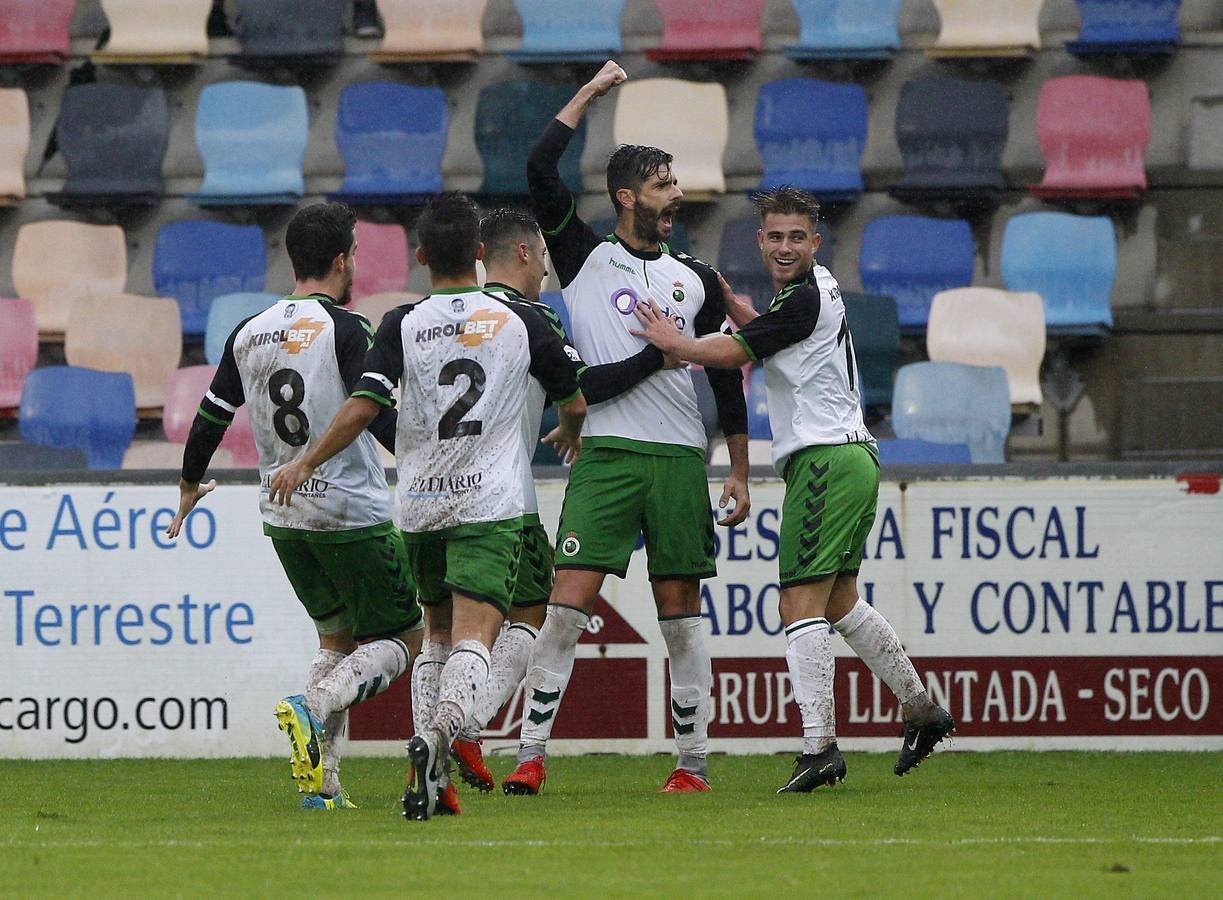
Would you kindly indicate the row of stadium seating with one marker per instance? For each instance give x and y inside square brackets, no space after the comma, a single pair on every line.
[306,32]
[252,137]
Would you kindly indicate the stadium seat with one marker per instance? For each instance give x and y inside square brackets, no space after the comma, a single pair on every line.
[758,427]
[197,260]
[951,403]
[18,349]
[14,144]
[983,326]
[845,29]
[392,137]
[162,455]
[66,406]
[811,135]
[680,239]
[913,451]
[688,119]
[997,28]
[18,456]
[1093,132]
[35,31]
[952,134]
[113,138]
[1206,133]
[127,333]
[510,116]
[561,31]
[252,138]
[382,254]
[184,390]
[875,327]
[912,258]
[726,30]
[1126,28]
[226,312]
[164,32]
[290,33]
[375,306]
[54,262]
[431,31]
[1070,261]
[740,263]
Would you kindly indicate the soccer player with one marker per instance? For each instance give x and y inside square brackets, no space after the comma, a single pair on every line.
[463,359]
[643,469]
[515,262]
[293,365]
[830,465]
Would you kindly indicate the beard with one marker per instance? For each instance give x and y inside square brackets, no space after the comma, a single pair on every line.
[645,222]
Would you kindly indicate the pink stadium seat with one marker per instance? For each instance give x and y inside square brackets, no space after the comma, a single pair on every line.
[382,259]
[184,390]
[35,31]
[18,350]
[717,31]
[1094,133]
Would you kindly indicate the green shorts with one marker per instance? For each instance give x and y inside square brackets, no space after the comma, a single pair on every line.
[534,584]
[615,495]
[827,512]
[363,584]
[480,562]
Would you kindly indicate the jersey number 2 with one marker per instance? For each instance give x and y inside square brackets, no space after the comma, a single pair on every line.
[288,407]
[452,424]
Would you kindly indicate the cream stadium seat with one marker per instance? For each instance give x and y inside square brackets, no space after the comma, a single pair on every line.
[431,31]
[166,32]
[14,144]
[142,336]
[688,119]
[990,327]
[56,262]
[999,28]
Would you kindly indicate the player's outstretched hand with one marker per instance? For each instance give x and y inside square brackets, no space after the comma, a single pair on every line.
[735,489]
[188,495]
[568,446]
[287,480]
[657,328]
[739,308]
[609,76]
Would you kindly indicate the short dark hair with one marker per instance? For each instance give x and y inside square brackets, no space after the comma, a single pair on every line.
[449,233]
[502,230]
[630,165]
[316,236]
[787,200]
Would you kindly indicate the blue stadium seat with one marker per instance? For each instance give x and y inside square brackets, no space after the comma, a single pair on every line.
[811,135]
[392,137]
[557,302]
[113,138]
[951,134]
[195,261]
[912,451]
[226,312]
[1126,28]
[67,406]
[679,233]
[740,264]
[295,34]
[875,327]
[252,137]
[846,29]
[912,258]
[1071,261]
[951,403]
[510,115]
[19,456]
[758,427]
[561,31]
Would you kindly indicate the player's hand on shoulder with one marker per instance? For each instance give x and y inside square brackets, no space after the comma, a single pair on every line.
[739,308]
[189,494]
[608,77]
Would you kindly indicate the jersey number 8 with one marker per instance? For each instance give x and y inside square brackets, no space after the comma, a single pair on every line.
[287,390]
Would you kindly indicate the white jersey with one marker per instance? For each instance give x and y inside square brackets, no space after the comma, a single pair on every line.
[810,373]
[293,365]
[464,360]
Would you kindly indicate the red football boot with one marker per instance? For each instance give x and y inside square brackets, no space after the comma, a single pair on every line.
[527,779]
[681,781]
[471,764]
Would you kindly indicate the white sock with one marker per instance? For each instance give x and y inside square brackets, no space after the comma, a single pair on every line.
[510,656]
[809,657]
[463,678]
[872,637]
[426,679]
[548,675]
[365,672]
[335,727]
[691,683]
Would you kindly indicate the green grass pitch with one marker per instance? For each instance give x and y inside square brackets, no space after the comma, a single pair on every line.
[964,825]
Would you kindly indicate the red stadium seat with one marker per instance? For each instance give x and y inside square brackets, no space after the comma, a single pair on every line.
[35,31]
[382,254]
[18,350]
[708,31]
[184,390]
[1094,133]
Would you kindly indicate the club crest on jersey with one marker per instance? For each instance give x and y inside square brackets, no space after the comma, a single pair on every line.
[678,294]
[458,304]
[570,546]
[482,326]
[290,310]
